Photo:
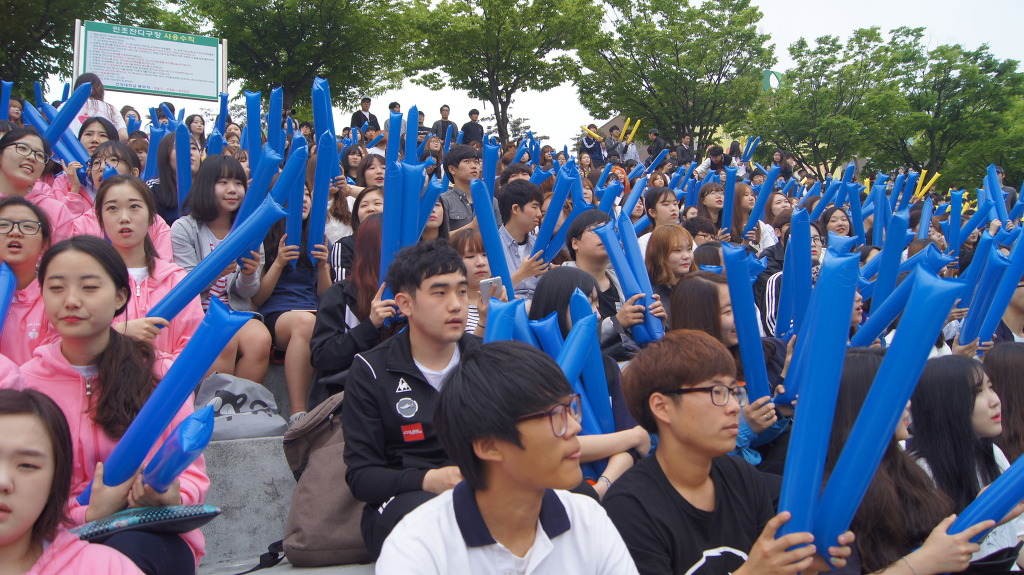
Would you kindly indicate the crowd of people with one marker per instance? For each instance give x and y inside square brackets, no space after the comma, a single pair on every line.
[468,455]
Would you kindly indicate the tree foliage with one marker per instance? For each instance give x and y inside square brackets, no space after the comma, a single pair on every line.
[832,97]
[359,46]
[891,100]
[39,34]
[495,49]
[682,69]
[949,99]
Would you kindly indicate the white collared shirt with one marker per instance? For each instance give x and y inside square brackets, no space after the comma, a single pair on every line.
[447,535]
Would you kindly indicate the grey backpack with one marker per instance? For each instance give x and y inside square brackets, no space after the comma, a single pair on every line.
[242,408]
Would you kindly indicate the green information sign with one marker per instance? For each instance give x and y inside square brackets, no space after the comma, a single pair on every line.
[146,61]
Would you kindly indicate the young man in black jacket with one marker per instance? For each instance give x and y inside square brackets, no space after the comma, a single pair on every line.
[395,460]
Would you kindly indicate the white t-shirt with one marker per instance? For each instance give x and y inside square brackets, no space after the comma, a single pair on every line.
[97,108]
[436,377]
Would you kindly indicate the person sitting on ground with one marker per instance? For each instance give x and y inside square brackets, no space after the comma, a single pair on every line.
[509,419]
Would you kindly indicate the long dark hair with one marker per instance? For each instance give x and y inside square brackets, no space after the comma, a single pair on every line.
[166,195]
[1005,366]
[943,404]
[366,264]
[368,160]
[346,170]
[125,367]
[202,137]
[901,505]
[703,211]
[554,291]
[31,402]
[695,303]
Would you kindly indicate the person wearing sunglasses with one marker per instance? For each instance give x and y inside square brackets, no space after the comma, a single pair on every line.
[690,507]
[23,156]
[509,419]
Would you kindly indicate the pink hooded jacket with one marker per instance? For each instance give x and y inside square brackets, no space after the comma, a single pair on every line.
[69,555]
[50,373]
[60,218]
[10,375]
[146,295]
[26,327]
[159,232]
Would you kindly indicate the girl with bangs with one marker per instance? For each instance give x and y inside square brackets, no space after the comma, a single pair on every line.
[123,159]
[288,298]
[37,461]
[669,258]
[25,233]
[125,210]
[216,194]
[101,379]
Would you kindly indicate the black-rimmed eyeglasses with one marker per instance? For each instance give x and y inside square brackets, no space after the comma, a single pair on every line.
[558,415]
[719,393]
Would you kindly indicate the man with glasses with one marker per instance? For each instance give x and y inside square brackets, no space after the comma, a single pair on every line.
[395,460]
[509,418]
[702,229]
[691,508]
[618,314]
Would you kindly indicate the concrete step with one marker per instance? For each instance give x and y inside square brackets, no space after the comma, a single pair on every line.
[285,567]
[252,485]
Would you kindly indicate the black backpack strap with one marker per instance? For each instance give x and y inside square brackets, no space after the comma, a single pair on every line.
[273,556]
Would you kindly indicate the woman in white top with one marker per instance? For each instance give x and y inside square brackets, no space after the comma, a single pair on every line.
[955,417]
[96,107]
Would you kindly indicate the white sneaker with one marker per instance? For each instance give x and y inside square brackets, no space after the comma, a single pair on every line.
[295,418]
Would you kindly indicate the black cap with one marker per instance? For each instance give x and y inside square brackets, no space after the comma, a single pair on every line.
[654,131]
[1000,170]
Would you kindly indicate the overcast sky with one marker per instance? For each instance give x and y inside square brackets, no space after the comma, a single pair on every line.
[556,113]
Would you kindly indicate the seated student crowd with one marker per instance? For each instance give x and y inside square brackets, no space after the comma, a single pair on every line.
[441,430]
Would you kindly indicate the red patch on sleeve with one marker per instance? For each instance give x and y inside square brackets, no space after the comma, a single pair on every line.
[413,432]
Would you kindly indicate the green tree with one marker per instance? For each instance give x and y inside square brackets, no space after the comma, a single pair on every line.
[1003,146]
[39,34]
[495,49]
[832,97]
[680,69]
[951,100]
[357,45]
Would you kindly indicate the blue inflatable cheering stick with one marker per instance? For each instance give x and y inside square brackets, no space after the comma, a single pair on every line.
[219,326]
[185,444]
